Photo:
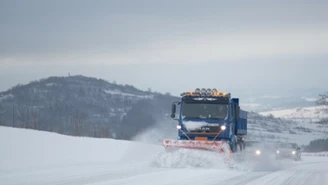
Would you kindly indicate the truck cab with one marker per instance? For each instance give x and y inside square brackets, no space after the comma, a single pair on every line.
[210,115]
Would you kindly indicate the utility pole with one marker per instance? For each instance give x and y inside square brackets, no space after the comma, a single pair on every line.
[13,115]
[27,114]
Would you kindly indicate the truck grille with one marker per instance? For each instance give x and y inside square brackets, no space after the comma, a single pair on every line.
[207,129]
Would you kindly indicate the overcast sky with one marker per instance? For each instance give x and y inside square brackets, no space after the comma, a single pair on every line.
[170,46]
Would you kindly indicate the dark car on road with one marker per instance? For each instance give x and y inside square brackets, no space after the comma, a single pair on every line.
[288,151]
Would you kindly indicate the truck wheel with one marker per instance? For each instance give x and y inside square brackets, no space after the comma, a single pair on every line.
[234,148]
[240,146]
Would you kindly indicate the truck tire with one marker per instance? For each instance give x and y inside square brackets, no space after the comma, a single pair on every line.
[241,144]
[244,145]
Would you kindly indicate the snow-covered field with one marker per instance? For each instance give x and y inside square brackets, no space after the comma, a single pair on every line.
[300,139]
[31,157]
[307,114]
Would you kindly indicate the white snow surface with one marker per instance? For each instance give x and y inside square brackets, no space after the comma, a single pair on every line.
[9,96]
[192,125]
[118,92]
[31,157]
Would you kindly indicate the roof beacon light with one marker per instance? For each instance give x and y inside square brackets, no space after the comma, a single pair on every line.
[203,91]
[206,92]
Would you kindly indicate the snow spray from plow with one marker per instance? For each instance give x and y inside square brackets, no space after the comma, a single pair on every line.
[207,155]
[217,151]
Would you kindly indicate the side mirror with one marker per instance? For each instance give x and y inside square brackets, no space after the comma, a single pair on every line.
[173,110]
[238,113]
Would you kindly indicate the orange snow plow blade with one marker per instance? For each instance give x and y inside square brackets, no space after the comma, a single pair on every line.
[215,146]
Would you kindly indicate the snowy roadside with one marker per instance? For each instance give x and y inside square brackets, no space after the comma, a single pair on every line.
[44,158]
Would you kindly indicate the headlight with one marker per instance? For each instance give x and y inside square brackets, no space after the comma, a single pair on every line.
[278,151]
[258,152]
[178,127]
[223,127]
[293,152]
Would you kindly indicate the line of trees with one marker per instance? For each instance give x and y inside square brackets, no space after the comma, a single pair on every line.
[74,122]
[319,145]
[89,120]
[323,101]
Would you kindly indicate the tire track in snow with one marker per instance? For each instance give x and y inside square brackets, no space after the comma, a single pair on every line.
[300,175]
[245,178]
[104,177]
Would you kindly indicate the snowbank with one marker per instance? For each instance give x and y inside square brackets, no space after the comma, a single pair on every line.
[40,158]
[29,148]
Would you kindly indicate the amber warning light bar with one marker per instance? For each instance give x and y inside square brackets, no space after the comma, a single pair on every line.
[205,92]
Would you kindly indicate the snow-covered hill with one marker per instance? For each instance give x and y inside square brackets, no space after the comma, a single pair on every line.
[311,114]
[268,127]
[262,103]
[83,106]
[307,118]
[44,158]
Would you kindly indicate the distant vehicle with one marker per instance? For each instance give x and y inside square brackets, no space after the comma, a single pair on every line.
[258,150]
[288,151]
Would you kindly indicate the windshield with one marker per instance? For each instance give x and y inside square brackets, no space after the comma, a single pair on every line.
[287,145]
[204,111]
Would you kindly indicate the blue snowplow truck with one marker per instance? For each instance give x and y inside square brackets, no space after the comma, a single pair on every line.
[209,120]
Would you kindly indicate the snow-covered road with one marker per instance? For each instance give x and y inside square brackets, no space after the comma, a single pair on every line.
[301,174]
[41,158]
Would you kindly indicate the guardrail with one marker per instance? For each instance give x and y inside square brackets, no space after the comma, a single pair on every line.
[319,154]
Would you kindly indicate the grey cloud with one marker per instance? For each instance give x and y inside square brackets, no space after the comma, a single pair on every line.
[38,38]
[33,27]
[271,76]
